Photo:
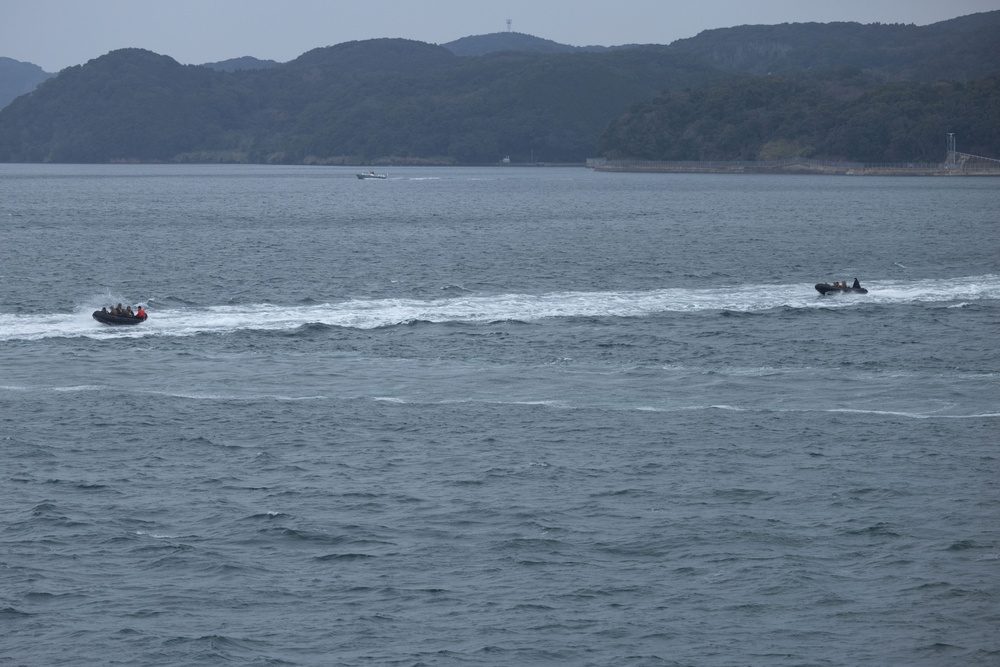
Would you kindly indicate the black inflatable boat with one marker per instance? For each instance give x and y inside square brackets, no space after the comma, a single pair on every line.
[108,318]
[827,288]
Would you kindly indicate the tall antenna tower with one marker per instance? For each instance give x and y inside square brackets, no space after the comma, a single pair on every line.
[508,25]
[950,161]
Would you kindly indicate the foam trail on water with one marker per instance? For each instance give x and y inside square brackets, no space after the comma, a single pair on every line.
[473,309]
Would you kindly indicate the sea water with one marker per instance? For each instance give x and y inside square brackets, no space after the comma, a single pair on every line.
[497,416]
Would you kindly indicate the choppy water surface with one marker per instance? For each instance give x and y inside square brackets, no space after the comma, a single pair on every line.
[497,417]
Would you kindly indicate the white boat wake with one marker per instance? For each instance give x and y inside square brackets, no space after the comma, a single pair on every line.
[374,313]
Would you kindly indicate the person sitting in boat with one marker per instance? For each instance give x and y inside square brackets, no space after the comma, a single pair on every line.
[104,309]
[856,284]
[140,313]
[119,311]
[128,311]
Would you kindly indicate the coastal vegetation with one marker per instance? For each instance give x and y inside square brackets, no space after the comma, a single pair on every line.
[832,91]
[840,116]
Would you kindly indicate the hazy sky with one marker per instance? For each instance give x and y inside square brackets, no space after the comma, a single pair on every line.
[59,33]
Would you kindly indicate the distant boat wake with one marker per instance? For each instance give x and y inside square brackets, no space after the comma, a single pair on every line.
[478,309]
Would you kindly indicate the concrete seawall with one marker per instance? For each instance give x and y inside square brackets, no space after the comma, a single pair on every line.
[796,166]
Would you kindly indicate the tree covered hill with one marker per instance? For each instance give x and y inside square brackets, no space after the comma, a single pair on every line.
[958,49]
[354,102]
[395,100]
[834,116]
[127,105]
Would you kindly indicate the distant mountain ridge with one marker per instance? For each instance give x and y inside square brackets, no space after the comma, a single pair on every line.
[402,101]
[480,45]
[246,62]
[749,48]
[19,78]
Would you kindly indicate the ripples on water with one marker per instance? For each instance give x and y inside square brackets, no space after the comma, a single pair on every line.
[497,417]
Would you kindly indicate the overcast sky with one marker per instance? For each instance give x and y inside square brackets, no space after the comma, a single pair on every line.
[60,33]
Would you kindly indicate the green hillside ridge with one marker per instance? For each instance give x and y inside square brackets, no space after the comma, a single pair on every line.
[837,91]
[958,49]
[840,116]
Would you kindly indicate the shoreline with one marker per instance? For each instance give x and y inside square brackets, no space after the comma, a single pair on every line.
[795,166]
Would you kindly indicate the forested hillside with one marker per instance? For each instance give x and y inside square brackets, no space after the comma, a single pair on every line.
[841,116]
[959,49]
[866,93]
[355,102]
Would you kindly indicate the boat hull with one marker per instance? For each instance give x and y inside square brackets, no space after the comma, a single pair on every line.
[826,288]
[117,320]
